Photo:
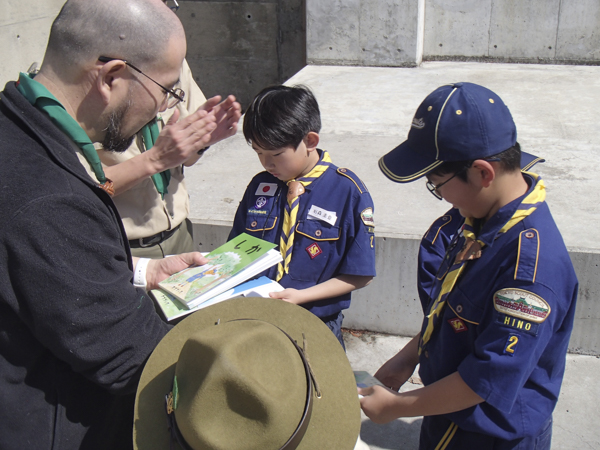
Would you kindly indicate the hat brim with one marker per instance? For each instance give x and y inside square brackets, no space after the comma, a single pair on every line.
[528,161]
[335,419]
[403,164]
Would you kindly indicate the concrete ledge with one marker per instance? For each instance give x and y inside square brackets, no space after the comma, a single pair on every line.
[391,303]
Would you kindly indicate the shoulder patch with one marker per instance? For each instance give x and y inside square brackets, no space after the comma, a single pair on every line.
[522,304]
[352,176]
[367,217]
[527,256]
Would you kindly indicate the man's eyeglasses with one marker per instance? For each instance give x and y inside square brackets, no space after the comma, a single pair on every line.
[174,95]
[172,4]
[434,189]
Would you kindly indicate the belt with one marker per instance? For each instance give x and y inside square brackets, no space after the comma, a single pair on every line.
[153,240]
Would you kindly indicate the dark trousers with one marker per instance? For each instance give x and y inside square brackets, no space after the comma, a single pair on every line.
[334,322]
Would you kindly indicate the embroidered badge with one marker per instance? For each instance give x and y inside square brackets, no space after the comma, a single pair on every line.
[256,211]
[314,250]
[457,325]
[511,344]
[521,304]
[268,189]
[518,324]
[260,202]
[418,123]
[367,217]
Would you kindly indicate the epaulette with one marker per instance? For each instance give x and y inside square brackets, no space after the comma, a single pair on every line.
[437,227]
[352,176]
[447,225]
[527,256]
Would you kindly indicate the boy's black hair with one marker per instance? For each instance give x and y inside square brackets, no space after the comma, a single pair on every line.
[280,116]
[510,160]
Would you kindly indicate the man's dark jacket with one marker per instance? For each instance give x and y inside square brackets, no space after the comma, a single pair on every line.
[74,332]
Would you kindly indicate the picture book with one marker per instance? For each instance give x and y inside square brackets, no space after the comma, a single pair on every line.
[172,308]
[229,265]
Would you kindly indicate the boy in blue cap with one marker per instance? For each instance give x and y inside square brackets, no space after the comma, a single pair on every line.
[499,314]
[320,215]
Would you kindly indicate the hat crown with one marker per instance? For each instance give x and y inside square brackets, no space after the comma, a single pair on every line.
[463,121]
[241,384]
[456,122]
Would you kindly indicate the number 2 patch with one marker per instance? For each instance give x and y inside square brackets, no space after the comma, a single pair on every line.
[511,344]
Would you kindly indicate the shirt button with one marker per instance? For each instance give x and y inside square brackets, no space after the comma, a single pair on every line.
[529,234]
[253,224]
[318,233]
[459,309]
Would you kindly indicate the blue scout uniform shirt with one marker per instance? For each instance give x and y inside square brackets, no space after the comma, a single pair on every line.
[432,251]
[506,324]
[341,243]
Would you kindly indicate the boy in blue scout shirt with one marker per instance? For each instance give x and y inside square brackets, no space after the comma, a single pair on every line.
[320,215]
[440,234]
[499,313]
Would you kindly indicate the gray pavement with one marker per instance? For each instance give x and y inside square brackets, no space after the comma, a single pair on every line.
[575,416]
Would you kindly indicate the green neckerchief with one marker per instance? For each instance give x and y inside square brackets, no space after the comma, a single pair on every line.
[41,98]
[161,180]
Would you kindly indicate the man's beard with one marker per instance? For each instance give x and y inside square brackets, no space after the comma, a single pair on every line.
[113,140]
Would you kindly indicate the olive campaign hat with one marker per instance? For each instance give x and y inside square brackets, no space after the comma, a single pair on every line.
[456,122]
[248,373]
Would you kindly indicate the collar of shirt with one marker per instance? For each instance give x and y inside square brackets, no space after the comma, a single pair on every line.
[489,231]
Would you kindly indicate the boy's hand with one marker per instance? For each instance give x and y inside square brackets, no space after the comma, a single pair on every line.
[159,269]
[378,404]
[394,373]
[289,295]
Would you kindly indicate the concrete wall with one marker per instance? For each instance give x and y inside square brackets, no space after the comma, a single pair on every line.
[234,47]
[391,303]
[513,30]
[239,47]
[24,28]
[404,32]
[364,32]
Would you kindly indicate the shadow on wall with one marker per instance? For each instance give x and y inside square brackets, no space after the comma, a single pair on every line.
[241,47]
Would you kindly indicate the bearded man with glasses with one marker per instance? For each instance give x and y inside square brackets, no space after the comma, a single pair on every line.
[152,199]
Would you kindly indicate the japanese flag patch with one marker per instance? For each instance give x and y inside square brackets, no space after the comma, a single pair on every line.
[521,304]
[268,189]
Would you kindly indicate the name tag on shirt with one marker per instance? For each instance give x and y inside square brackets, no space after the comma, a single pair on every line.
[266,189]
[316,213]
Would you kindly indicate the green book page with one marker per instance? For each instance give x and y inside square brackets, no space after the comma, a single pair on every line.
[223,263]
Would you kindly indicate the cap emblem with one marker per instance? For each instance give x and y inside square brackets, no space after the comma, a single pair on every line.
[418,123]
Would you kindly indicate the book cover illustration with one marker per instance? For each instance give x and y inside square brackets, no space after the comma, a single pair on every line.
[223,263]
[173,308]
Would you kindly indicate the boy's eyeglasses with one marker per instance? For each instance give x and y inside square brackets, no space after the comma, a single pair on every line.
[434,188]
[174,95]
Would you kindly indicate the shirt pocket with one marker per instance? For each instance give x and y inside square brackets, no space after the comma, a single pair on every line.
[259,224]
[461,306]
[315,244]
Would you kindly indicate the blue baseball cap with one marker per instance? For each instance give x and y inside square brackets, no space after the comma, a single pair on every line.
[456,122]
